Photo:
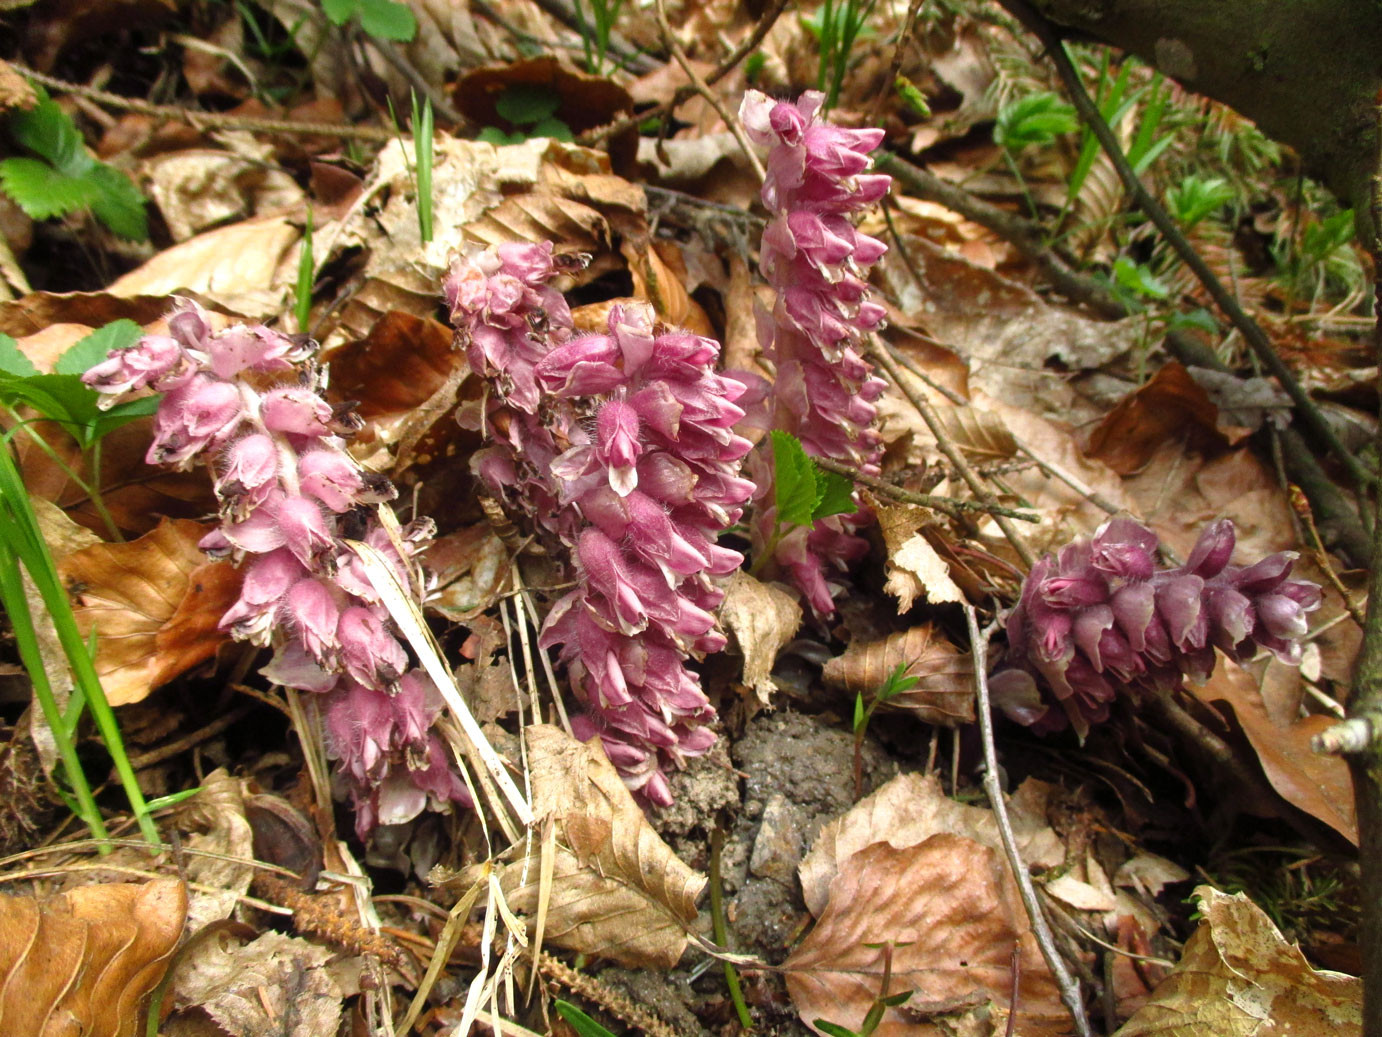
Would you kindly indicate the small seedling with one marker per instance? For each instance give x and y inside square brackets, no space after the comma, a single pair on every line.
[422,155]
[803,492]
[382,19]
[595,37]
[302,290]
[1196,197]
[531,109]
[898,681]
[837,27]
[59,176]
[580,1022]
[915,99]
[1037,119]
[880,1005]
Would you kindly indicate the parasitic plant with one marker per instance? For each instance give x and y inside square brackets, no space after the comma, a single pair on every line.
[248,399]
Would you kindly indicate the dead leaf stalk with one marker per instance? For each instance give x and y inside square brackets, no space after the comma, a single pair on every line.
[1041,929]
[950,505]
[1251,331]
[669,40]
[390,52]
[210,120]
[597,993]
[928,414]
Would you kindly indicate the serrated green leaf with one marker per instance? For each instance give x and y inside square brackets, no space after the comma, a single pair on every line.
[107,421]
[12,360]
[119,204]
[1138,279]
[552,127]
[43,191]
[794,480]
[834,495]
[340,11]
[47,130]
[526,103]
[1034,119]
[387,20]
[580,1022]
[85,354]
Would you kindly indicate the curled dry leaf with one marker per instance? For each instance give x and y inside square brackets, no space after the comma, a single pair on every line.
[944,693]
[909,810]
[915,570]
[762,619]
[276,986]
[1318,784]
[221,843]
[471,566]
[1171,407]
[83,962]
[951,910]
[155,604]
[618,891]
[1239,977]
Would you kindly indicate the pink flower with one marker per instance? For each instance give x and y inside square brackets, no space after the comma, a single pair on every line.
[199,413]
[155,361]
[369,653]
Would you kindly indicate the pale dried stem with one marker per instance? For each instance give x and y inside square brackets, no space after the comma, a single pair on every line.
[1041,929]
[732,121]
[928,414]
[949,505]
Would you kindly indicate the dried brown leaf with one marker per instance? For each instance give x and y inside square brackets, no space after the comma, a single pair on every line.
[909,810]
[83,961]
[618,890]
[944,693]
[249,267]
[1239,977]
[915,571]
[762,619]
[951,911]
[1170,408]
[155,603]
[275,986]
[980,434]
[1318,784]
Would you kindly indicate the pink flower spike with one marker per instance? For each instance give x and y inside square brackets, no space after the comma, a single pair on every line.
[616,428]
[333,478]
[312,610]
[303,529]
[251,469]
[296,411]
[369,653]
[242,347]
[155,360]
[199,413]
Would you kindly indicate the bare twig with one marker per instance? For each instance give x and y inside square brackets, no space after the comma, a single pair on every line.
[209,120]
[683,93]
[669,39]
[1041,929]
[949,505]
[390,52]
[928,414]
[1251,331]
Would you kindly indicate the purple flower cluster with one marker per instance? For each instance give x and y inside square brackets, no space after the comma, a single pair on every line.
[286,484]
[814,257]
[645,477]
[1100,614]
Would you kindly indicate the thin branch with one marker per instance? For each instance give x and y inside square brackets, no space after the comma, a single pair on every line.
[1041,929]
[209,120]
[928,414]
[949,505]
[1251,331]
[702,88]
[390,52]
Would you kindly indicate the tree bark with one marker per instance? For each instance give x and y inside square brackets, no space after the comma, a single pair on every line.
[1306,71]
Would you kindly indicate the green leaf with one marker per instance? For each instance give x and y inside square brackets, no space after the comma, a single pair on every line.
[915,99]
[1137,279]
[897,682]
[1034,119]
[526,103]
[118,203]
[76,409]
[387,20]
[1196,197]
[42,191]
[859,715]
[552,127]
[1196,320]
[794,480]
[494,135]
[834,495]
[340,11]
[32,392]
[107,421]
[82,356]
[582,1023]
[12,361]
[48,131]
[834,1029]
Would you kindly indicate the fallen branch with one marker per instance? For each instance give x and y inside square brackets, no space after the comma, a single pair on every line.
[1041,929]
[949,505]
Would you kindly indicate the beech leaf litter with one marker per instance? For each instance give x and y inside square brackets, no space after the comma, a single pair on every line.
[497,497]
